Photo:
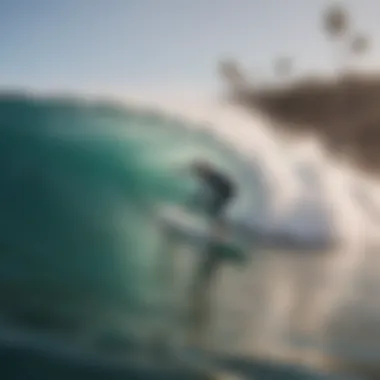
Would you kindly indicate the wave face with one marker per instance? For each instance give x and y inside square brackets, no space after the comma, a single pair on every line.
[79,187]
[81,183]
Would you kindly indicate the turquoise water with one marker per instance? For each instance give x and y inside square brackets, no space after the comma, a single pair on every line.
[79,188]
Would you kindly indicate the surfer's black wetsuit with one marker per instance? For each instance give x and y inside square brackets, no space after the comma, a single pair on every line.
[222,187]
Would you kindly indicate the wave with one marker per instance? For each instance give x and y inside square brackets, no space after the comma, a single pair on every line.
[84,178]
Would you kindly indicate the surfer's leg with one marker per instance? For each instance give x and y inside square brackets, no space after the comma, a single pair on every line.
[200,308]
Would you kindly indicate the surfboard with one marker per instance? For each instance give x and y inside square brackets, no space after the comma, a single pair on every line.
[198,232]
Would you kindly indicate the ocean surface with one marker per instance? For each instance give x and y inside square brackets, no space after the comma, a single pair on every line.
[83,185]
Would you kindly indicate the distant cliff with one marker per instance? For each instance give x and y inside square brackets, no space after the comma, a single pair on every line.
[344,114]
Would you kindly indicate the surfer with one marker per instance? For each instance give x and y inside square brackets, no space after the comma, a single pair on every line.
[218,192]
[221,188]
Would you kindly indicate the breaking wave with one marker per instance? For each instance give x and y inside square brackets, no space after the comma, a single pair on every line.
[82,182]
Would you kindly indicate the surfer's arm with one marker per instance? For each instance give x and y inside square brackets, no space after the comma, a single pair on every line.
[232,253]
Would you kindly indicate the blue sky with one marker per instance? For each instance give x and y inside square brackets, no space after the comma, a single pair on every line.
[160,43]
